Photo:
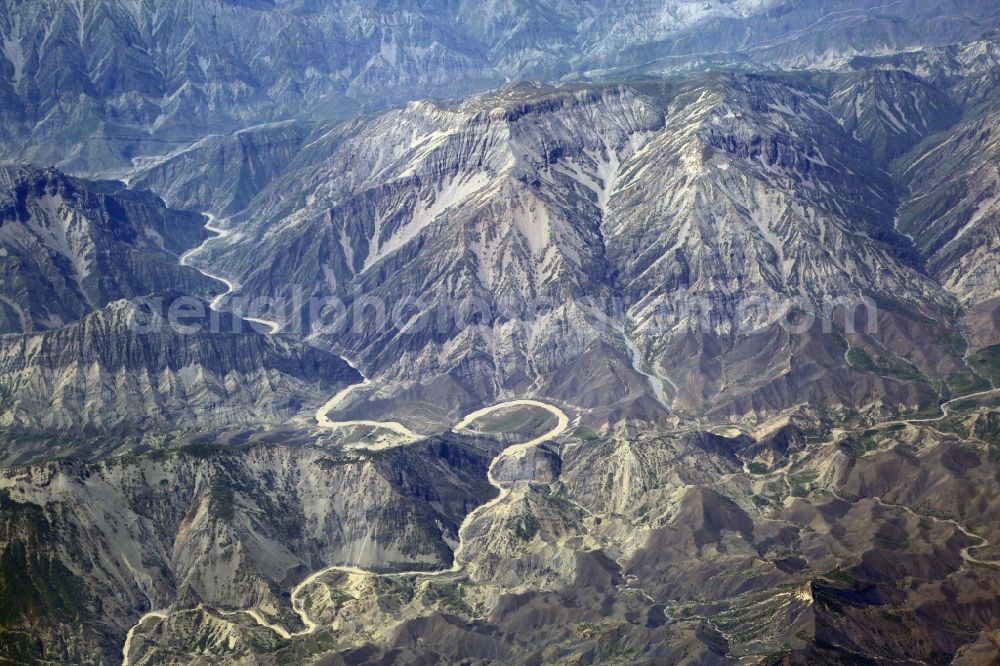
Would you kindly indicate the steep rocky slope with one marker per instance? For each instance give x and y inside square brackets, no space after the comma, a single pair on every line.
[228,528]
[941,103]
[160,363]
[416,219]
[892,110]
[769,209]
[221,174]
[529,214]
[68,246]
[952,213]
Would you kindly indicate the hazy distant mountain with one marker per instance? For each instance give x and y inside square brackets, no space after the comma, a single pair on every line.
[92,84]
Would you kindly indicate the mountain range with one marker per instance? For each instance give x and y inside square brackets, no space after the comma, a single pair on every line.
[653,332]
[93,84]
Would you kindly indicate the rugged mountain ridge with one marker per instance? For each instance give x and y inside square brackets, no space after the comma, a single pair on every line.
[160,363]
[106,331]
[892,110]
[953,216]
[867,546]
[70,246]
[528,215]
[462,170]
[229,529]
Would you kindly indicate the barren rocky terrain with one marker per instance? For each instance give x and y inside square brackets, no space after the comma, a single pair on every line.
[652,332]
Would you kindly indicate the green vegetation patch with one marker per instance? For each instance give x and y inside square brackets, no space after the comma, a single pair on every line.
[801,482]
[526,527]
[614,650]
[448,596]
[586,434]
[987,363]
[20,647]
[884,366]
[35,586]
[966,382]
[838,575]
[24,519]
[221,500]
[857,445]
[954,341]
[900,308]
[775,658]
[203,450]
[527,421]
[987,427]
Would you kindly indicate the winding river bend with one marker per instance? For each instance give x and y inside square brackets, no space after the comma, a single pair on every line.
[231,287]
[562,423]
[323,420]
[515,449]
[323,416]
